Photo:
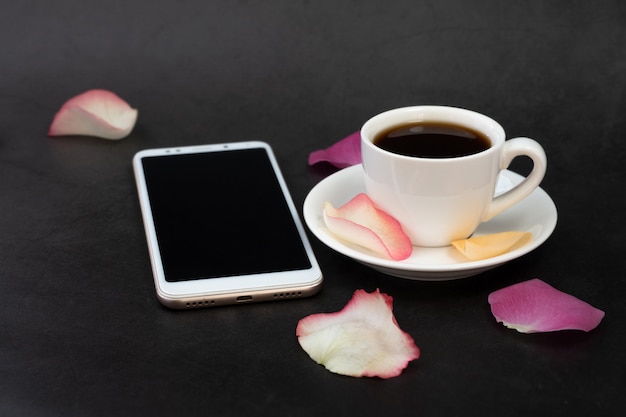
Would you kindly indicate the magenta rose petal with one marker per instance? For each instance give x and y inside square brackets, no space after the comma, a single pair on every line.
[363,339]
[534,306]
[361,223]
[345,153]
[98,113]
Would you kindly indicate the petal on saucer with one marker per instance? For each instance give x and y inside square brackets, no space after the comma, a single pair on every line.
[361,223]
[534,306]
[342,154]
[488,246]
[99,113]
[363,339]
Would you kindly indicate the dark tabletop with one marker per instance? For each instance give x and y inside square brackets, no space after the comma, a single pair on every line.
[81,330]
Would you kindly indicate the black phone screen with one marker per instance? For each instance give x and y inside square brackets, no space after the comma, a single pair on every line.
[219,214]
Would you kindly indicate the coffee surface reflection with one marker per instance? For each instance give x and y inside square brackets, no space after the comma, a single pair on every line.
[432,140]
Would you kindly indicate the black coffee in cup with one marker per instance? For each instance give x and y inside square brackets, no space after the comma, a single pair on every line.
[432,140]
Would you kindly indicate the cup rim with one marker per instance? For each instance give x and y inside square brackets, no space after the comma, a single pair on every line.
[496,134]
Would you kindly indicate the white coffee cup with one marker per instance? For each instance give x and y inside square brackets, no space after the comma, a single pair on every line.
[439,200]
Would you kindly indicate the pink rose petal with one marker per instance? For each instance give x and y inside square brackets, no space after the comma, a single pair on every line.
[534,306]
[363,339]
[342,154]
[99,113]
[361,223]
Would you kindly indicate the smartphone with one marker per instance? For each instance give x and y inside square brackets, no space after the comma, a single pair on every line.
[222,227]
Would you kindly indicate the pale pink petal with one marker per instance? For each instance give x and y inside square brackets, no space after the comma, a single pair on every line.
[363,339]
[534,306]
[342,154]
[361,223]
[99,113]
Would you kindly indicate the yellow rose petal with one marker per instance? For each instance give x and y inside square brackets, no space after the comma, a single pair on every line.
[488,246]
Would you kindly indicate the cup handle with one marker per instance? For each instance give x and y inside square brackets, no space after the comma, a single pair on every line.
[512,149]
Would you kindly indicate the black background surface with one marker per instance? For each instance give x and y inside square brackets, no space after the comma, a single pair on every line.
[81,331]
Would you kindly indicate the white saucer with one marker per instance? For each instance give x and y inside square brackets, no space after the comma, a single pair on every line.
[536,214]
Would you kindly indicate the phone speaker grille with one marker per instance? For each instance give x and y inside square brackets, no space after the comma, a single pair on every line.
[284,295]
[199,304]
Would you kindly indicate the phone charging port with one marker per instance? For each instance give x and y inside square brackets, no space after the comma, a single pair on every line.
[244,298]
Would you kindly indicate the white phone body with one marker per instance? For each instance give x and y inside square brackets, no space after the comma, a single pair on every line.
[221,226]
